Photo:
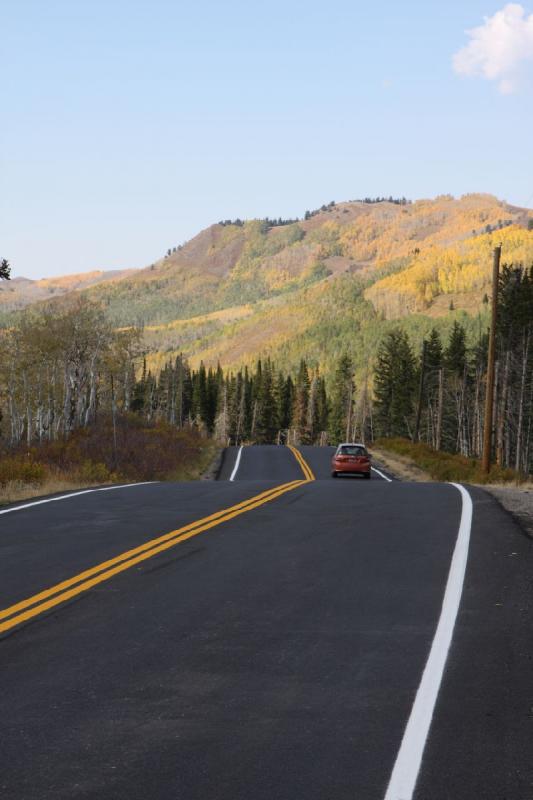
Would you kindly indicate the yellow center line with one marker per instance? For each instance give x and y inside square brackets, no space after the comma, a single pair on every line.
[306,469]
[49,598]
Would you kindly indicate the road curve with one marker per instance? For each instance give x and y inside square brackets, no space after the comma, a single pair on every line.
[276,654]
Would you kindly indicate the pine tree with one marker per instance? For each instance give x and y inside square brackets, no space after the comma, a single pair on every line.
[430,399]
[299,421]
[455,353]
[322,406]
[394,385]
[200,399]
[283,396]
[5,270]
[266,423]
[342,390]
[313,410]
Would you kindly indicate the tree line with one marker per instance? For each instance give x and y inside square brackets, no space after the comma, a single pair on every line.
[262,404]
[63,369]
[398,201]
[439,397]
[66,368]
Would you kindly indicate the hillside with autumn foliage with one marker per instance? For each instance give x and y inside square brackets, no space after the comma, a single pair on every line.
[332,281]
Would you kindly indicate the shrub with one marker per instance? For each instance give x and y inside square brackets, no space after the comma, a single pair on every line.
[21,470]
[144,451]
[94,472]
[442,466]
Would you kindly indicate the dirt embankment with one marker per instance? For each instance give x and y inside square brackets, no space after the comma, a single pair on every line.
[400,466]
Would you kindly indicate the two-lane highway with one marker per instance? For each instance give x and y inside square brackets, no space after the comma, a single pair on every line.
[275,646]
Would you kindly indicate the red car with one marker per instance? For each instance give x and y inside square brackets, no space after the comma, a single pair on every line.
[351,459]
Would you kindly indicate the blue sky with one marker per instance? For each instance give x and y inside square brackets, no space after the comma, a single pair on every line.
[127,126]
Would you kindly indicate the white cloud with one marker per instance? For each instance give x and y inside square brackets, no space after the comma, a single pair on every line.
[500,49]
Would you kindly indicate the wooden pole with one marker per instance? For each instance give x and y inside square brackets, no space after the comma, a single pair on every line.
[487,432]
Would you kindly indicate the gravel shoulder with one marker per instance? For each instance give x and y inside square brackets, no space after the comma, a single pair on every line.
[518,500]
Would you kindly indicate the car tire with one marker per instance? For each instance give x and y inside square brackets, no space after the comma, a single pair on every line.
[333,474]
[367,476]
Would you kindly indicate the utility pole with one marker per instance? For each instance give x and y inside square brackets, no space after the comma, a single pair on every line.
[420,393]
[489,398]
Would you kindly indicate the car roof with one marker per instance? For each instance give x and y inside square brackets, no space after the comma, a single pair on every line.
[350,444]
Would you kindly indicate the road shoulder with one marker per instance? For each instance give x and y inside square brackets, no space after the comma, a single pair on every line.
[399,467]
[517,501]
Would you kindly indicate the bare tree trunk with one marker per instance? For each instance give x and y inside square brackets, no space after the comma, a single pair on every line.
[520,423]
[476,432]
[27,401]
[114,420]
[500,426]
[438,437]
[67,399]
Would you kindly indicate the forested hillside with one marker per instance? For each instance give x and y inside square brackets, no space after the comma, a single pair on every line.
[333,281]
[306,331]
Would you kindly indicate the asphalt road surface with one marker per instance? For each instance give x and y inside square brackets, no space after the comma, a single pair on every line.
[272,635]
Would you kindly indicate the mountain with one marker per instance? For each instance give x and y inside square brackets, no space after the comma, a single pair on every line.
[21,292]
[316,287]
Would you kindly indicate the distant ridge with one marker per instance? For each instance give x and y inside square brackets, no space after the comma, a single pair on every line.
[328,282]
[20,291]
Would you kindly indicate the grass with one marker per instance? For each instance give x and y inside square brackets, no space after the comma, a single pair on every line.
[442,466]
[15,491]
[144,452]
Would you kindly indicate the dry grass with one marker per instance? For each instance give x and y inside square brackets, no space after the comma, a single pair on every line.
[144,452]
[400,466]
[443,466]
[14,491]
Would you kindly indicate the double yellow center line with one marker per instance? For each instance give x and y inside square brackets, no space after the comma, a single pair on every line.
[307,471]
[61,592]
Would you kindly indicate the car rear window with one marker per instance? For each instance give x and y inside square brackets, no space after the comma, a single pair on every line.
[352,451]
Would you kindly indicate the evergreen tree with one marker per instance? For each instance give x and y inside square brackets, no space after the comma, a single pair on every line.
[200,398]
[283,396]
[433,352]
[5,270]
[299,421]
[322,406]
[266,423]
[455,353]
[430,396]
[394,385]
[340,414]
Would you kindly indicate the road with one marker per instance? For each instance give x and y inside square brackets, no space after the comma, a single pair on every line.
[278,636]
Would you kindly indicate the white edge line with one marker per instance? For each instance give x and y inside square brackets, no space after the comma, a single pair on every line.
[73,494]
[407,766]
[237,462]
[381,474]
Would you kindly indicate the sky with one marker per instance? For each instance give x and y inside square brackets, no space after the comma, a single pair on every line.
[127,126]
